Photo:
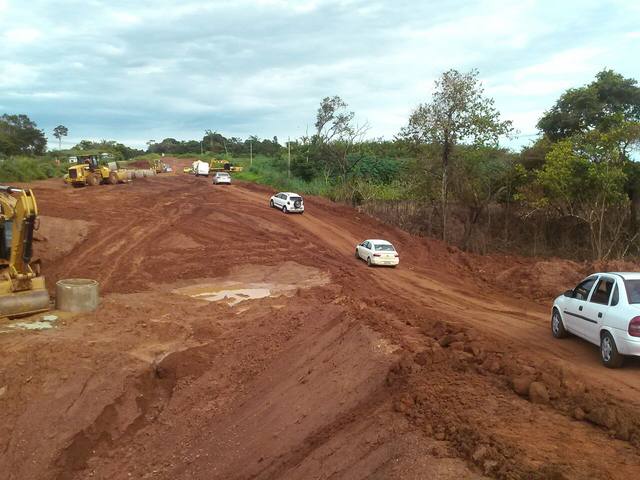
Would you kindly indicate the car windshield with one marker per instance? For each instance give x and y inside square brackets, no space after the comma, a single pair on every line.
[633,290]
[384,248]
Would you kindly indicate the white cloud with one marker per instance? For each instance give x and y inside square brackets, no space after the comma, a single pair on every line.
[21,35]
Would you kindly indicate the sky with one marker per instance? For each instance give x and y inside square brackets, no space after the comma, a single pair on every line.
[134,71]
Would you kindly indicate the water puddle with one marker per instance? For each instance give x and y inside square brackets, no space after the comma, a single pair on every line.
[252,282]
[233,294]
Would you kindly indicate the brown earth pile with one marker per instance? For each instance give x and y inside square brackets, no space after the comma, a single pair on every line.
[441,368]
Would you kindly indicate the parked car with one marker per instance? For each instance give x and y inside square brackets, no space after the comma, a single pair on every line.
[377,252]
[604,309]
[288,202]
[221,177]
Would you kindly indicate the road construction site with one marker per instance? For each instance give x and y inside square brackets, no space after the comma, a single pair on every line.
[233,341]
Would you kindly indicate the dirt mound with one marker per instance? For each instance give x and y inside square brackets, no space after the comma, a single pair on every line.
[542,279]
[441,368]
[57,237]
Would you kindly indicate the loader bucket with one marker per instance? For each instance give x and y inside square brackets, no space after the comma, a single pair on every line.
[24,303]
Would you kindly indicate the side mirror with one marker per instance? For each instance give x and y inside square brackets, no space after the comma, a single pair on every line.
[568,293]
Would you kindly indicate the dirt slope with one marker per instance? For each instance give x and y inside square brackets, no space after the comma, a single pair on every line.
[333,370]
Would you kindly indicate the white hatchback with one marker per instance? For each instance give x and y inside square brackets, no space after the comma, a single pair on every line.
[221,177]
[604,309]
[377,252]
[288,202]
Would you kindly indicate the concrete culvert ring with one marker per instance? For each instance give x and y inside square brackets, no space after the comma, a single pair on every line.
[77,295]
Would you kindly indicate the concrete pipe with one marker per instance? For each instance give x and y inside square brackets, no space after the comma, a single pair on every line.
[77,295]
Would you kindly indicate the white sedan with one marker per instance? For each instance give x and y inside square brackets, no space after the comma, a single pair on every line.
[288,202]
[221,177]
[604,309]
[377,252]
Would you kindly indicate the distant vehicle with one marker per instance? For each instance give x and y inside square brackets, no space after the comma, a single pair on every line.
[168,169]
[187,170]
[377,252]
[604,309]
[200,168]
[73,159]
[288,202]
[221,177]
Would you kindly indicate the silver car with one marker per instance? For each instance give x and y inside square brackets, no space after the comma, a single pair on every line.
[604,309]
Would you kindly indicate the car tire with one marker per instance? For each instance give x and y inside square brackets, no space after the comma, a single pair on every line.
[357,255]
[557,327]
[271,203]
[284,209]
[369,264]
[609,352]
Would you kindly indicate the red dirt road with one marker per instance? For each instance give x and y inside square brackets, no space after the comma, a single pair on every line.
[342,372]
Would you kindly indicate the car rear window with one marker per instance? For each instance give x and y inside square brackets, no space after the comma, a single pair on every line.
[295,199]
[633,290]
[385,248]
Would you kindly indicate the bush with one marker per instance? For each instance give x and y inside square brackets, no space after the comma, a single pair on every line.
[27,169]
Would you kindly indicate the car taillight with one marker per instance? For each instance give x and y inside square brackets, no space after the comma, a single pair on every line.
[634,327]
[376,254]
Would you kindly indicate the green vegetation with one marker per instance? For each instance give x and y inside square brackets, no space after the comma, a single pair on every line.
[575,191]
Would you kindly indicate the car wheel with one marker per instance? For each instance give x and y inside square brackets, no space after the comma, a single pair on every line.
[284,209]
[271,203]
[369,264]
[557,327]
[609,352]
[357,256]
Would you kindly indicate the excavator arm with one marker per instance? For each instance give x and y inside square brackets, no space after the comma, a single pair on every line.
[22,290]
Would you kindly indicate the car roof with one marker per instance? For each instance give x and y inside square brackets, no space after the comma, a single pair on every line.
[625,275]
[291,194]
[378,241]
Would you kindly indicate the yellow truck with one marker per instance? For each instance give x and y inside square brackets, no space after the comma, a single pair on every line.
[89,172]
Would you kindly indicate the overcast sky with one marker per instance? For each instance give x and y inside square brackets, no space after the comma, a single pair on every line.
[139,70]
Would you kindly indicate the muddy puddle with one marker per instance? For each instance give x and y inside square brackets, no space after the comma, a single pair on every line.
[256,282]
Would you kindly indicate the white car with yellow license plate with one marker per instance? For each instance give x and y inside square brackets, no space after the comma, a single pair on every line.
[603,309]
[377,252]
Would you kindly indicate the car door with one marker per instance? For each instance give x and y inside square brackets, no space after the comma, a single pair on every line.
[574,306]
[361,248]
[277,200]
[364,250]
[595,310]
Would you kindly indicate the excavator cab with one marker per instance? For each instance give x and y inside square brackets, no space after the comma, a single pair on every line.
[22,288]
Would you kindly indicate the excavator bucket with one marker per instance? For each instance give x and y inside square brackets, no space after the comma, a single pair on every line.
[17,304]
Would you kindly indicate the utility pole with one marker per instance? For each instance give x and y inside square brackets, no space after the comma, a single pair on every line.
[251,153]
[289,157]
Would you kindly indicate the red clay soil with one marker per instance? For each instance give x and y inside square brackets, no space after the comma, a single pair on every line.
[441,368]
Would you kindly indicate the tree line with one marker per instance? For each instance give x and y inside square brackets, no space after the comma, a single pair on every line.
[573,191]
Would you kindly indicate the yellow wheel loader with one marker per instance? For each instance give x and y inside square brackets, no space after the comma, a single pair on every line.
[22,288]
[91,173]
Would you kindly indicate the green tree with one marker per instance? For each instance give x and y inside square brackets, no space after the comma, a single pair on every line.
[584,178]
[458,112]
[334,143]
[603,105]
[59,132]
[20,135]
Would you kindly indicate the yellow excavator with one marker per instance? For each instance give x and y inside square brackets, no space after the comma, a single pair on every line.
[22,288]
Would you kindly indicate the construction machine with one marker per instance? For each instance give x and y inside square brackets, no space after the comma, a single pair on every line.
[22,288]
[223,166]
[90,172]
